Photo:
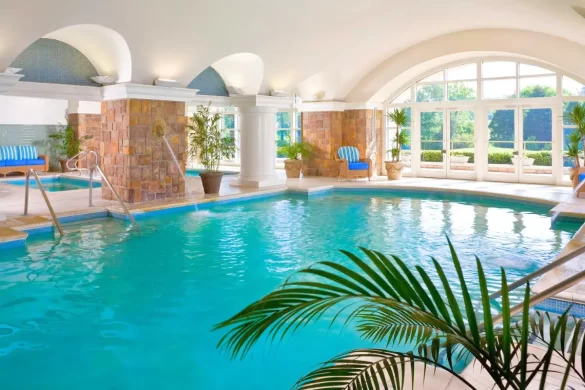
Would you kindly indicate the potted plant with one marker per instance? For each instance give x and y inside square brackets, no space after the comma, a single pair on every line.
[574,152]
[209,144]
[294,154]
[69,145]
[394,167]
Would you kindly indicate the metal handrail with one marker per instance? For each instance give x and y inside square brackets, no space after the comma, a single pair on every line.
[91,170]
[49,206]
[541,271]
[105,178]
[544,295]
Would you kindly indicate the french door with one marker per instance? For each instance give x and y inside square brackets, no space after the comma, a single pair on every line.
[447,143]
[519,144]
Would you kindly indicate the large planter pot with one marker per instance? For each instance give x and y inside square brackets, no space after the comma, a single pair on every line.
[574,175]
[293,168]
[393,170]
[64,166]
[211,181]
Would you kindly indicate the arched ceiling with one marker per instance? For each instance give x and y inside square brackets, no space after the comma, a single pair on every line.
[321,48]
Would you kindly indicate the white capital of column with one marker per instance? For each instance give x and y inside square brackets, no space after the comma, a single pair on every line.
[258,147]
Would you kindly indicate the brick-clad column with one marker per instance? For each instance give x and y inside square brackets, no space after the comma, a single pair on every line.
[323,130]
[87,124]
[359,131]
[139,164]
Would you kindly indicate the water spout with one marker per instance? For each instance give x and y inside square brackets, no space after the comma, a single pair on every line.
[187,189]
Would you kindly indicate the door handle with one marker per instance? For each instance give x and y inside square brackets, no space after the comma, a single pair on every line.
[444,151]
[515,152]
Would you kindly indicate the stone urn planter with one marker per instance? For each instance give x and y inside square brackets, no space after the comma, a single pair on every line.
[526,162]
[459,159]
[293,168]
[393,170]
[211,181]
[64,168]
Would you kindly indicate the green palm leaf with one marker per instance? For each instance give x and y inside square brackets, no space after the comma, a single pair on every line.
[388,303]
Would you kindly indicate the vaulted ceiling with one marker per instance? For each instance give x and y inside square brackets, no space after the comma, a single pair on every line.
[322,48]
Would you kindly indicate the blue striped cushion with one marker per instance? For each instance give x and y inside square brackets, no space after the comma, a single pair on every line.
[9,153]
[349,153]
[27,152]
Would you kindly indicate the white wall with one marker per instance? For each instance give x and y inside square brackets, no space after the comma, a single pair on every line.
[32,111]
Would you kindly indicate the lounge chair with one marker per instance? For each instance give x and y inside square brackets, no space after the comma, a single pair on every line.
[351,166]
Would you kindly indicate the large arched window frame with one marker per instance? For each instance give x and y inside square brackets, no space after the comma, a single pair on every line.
[488,88]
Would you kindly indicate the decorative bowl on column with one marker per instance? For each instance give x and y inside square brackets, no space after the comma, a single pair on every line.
[393,169]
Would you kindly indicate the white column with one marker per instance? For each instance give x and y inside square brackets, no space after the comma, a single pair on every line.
[258,147]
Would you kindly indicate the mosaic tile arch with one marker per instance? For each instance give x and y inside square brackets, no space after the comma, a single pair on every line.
[52,61]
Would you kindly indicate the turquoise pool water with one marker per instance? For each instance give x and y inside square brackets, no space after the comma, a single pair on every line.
[195,172]
[110,308]
[56,184]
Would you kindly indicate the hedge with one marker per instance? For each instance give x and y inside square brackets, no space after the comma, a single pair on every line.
[543,158]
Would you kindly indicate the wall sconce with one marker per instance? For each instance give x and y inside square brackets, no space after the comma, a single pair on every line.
[166,83]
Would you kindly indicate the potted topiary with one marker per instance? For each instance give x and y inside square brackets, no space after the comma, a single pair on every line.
[69,145]
[394,167]
[574,152]
[294,153]
[209,144]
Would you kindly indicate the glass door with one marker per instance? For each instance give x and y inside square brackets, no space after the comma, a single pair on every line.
[535,158]
[461,145]
[502,145]
[433,147]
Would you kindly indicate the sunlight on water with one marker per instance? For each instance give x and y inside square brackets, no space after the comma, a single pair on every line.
[107,307]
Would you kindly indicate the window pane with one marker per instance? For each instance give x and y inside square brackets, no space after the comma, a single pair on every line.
[404,97]
[531,70]
[439,76]
[462,91]
[572,87]
[283,120]
[534,87]
[567,108]
[537,124]
[462,72]
[568,162]
[498,69]
[429,93]
[499,89]
[282,139]
[229,121]
[299,121]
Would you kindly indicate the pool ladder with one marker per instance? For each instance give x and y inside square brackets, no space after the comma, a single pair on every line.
[549,292]
[72,165]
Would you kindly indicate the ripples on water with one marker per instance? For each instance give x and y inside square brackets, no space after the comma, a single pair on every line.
[108,308]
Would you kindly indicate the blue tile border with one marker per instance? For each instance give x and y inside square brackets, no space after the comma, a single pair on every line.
[558,306]
[40,230]
[13,244]
[83,217]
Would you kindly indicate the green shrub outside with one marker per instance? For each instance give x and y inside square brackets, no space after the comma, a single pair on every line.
[543,158]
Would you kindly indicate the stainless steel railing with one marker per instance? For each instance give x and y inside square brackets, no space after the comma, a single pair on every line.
[49,206]
[541,271]
[91,156]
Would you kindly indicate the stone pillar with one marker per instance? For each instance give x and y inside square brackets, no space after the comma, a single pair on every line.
[323,130]
[361,130]
[257,147]
[86,119]
[138,163]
